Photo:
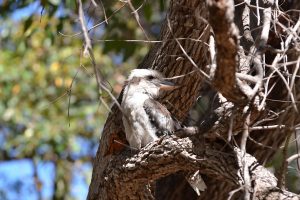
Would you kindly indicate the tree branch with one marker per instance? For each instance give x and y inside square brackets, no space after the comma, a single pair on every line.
[127,174]
[188,18]
[226,36]
[172,154]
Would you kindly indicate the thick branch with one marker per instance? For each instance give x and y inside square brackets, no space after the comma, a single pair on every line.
[226,36]
[172,154]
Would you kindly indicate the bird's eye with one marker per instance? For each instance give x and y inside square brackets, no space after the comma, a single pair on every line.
[150,77]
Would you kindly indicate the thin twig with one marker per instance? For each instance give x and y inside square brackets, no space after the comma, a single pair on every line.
[231,193]
[246,175]
[37,181]
[88,51]
[297,141]
[230,128]
[88,44]
[262,104]
[151,41]
[262,145]
[257,13]
[186,55]
[293,34]
[287,87]
[295,73]
[96,25]
[245,132]
[104,12]
[137,18]
[212,52]
[268,127]
[292,158]
[69,94]
[283,169]
[246,77]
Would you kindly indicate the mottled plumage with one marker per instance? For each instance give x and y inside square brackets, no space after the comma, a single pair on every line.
[144,118]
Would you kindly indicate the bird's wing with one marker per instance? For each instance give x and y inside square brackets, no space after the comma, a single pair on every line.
[159,116]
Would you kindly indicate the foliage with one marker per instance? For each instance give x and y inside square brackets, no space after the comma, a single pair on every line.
[50,109]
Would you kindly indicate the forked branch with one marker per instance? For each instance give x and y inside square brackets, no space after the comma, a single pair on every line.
[172,154]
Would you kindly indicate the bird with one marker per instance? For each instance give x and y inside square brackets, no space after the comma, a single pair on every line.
[145,119]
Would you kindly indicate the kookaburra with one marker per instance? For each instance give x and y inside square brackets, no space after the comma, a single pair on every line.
[144,118]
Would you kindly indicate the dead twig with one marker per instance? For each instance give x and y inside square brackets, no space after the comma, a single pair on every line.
[186,55]
[137,18]
[246,173]
[88,51]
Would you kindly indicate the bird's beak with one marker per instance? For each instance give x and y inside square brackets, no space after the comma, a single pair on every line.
[166,85]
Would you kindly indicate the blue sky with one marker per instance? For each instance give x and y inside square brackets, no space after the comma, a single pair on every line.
[18,174]
[21,172]
[26,11]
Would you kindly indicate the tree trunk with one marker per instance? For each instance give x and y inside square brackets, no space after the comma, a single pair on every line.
[218,146]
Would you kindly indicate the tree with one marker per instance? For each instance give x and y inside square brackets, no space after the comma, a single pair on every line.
[49,114]
[50,109]
[243,56]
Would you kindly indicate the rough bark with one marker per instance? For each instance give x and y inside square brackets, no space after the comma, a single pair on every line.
[186,18]
[174,154]
[121,174]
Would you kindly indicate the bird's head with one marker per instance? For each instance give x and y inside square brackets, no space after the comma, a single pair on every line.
[148,82]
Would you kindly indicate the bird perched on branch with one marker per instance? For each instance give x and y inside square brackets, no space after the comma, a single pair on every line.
[144,118]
